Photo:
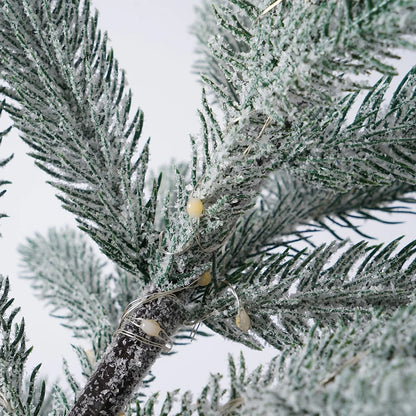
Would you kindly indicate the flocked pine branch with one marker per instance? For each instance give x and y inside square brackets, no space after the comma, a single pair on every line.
[227,150]
[276,77]
[297,52]
[289,213]
[21,394]
[64,271]
[328,172]
[372,358]
[3,162]
[276,97]
[69,101]
[368,146]
[283,294]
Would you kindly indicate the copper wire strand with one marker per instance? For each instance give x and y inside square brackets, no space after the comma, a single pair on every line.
[263,129]
[237,119]
[194,330]
[137,303]
[196,323]
[134,305]
[230,406]
[234,293]
[242,315]
[352,361]
[268,9]
[167,339]
[162,345]
[5,403]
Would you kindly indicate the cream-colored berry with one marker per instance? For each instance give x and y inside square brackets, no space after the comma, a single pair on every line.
[205,278]
[150,327]
[242,320]
[194,207]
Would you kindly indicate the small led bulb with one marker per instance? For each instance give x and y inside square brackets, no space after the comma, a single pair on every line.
[91,357]
[242,320]
[205,278]
[194,207]
[150,327]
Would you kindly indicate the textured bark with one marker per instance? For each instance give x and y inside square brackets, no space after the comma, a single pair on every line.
[126,361]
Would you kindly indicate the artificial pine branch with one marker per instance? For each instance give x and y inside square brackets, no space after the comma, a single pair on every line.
[367,146]
[283,294]
[331,374]
[69,101]
[298,52]
[278,81]
[3,162]
[290,211]
[65,271]
[284,107]
[18,396]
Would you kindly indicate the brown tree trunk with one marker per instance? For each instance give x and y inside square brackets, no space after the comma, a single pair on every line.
[126,361]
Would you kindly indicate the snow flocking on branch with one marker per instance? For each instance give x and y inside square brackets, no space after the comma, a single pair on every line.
[71,105]
[277,89]
[4,161]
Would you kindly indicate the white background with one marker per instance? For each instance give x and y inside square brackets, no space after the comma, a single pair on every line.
[152,43]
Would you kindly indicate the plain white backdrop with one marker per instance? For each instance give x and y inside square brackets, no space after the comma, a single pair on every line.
[152,43]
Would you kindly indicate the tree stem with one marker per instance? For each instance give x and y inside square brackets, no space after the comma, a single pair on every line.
[127,360]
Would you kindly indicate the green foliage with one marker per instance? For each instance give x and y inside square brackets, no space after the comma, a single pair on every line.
[69,101]
[288,71]
[280,88]
[284,294]
[365,367]
[20,395]
[377,148]
[3,162]
[296,54]
[373,358]
[289,212]
[65,271]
